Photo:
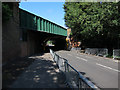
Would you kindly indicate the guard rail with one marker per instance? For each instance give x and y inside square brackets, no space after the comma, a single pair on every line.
[73,78]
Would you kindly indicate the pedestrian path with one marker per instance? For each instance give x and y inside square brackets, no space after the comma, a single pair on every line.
[42,73]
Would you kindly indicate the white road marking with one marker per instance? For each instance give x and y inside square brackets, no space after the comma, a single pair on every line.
[69,54]
[102,58]
[82,59]
[107,67]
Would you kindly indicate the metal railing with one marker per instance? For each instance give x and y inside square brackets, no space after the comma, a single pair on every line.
[73,78]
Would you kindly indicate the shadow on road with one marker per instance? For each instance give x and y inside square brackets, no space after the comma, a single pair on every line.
[88,78]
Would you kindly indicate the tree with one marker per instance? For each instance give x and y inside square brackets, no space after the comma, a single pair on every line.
[95,24]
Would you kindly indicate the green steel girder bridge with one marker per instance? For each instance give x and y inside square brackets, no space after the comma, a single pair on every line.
[41,29]
[34,22]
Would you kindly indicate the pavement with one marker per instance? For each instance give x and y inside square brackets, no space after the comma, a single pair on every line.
[42,72]
[103,72]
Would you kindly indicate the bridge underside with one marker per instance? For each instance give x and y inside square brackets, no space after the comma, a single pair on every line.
[35,42]
[36,31]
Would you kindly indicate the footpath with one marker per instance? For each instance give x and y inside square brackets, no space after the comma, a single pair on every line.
[40,72]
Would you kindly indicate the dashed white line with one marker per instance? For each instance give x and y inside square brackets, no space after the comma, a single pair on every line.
[107,67]
[82,59]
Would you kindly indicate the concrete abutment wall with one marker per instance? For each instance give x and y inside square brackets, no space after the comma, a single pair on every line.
[13,45]
[32,45]
[11,36]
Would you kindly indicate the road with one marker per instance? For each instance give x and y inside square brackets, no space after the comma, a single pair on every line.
[103,72]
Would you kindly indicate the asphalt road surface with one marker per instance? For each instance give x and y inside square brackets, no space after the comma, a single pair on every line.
[103,72]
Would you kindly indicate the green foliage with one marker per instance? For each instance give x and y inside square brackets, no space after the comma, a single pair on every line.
[109,56]
[93,23]
[6,11]
[50,42]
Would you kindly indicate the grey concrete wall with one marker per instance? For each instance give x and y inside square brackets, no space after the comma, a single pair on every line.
[116,54]
[97,51]
[11,36]
[34,42]
[32,45]
[24,49]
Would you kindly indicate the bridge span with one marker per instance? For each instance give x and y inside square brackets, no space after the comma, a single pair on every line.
[36,31]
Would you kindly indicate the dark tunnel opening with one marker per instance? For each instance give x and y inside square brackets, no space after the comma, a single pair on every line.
[56,45]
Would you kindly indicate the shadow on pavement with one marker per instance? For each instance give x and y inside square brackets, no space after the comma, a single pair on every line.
[13,69]
[32,72]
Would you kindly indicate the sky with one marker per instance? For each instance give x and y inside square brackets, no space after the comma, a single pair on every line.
[52,11]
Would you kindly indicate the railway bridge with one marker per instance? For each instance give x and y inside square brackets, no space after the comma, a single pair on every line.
[36,31]
[25,34]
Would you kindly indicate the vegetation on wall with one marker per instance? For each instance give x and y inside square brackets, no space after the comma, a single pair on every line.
[6,11]
[96,24]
